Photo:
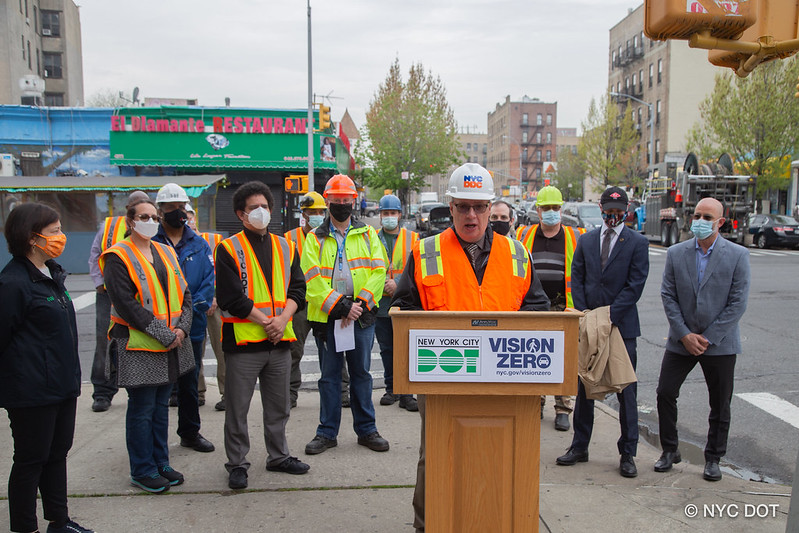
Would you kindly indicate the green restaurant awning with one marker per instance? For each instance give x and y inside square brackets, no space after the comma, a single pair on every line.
[194,185]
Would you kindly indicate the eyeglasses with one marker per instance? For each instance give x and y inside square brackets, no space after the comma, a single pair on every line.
[146,218]
[464,209]
[707,217]
[549,207]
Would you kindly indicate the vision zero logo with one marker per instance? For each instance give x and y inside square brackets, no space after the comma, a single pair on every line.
[447,355]
[523,352]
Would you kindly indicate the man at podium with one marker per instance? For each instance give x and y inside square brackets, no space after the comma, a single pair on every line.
[467,267]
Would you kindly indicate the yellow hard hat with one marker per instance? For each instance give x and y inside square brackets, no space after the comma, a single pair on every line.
[549,195]
[312,200]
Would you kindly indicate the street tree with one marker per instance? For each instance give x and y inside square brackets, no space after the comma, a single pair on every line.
[108,98]
[609,146]
[570,175]
[410,128]
[754,119]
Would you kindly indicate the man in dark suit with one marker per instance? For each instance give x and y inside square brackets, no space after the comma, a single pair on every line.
[704,291]
[610,267]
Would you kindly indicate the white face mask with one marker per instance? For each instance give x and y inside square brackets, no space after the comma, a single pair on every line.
[146,229]
[259,218]
[390,223]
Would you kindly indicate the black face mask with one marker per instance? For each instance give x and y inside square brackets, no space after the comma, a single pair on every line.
[176,219]
[500,226]
[340,212]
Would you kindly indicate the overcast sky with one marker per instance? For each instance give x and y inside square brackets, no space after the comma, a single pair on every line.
[255,51]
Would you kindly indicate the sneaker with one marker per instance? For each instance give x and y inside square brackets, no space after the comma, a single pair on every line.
[290,465]
[220,405]
[238,478]
[409,403]
[374,442]
[155,483]
[319,444]
[173,400]
[100,405]
[69,527]
[388,399]
[173,476]
[197,443]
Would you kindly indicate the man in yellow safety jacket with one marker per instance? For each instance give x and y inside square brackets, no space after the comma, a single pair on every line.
[260,286]
[345,272]
[551,245]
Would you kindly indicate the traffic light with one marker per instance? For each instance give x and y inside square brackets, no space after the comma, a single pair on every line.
[296,184]
[324,117]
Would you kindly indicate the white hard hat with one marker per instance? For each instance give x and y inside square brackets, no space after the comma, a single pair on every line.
[189,208]
[171,192]
[470,182]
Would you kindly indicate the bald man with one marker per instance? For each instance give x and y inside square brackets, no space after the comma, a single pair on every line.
[704,291]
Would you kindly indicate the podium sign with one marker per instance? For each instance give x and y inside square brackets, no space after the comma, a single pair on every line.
[483,374]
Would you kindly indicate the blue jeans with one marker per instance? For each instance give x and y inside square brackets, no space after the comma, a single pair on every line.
[147,429]
[358,362]
[188,397]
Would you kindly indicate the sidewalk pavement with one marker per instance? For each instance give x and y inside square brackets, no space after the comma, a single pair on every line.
[352,489]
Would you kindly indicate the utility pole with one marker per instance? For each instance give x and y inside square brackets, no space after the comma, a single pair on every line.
[310,128]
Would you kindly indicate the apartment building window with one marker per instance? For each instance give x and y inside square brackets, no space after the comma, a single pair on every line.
[538,173]
[538,155]
[639,116]
[549,119]
[657,151]
[539,118]
[618,86]
[538,138]
[38,63]
[51,24]
[641,80]
[54,99]
[524,136]
[484,147]
[549,155]
[612,60]
[20,6]
[29,56]
[657,119]
[660,69]
[651,73]
[635,41]
[52,65]
[525,154]
[468,146]
[35,20]
[635,80]
[524,119]
[549,137]
[23,47]
[26,9]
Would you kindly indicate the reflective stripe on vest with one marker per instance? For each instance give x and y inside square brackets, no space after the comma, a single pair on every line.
[255,287]
[114,230]
[399,256]
[297,236]
[506,280]
[213,240]
[570,243]
[150,293]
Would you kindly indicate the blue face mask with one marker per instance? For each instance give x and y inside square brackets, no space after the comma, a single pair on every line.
[702,228]
[389,223]
[316,220]
[550,218]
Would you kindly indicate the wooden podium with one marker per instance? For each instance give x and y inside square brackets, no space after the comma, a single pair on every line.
[482,438]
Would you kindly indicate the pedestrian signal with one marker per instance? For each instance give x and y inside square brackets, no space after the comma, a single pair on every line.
[296,184]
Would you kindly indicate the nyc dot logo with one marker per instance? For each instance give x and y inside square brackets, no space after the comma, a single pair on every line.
[447,355]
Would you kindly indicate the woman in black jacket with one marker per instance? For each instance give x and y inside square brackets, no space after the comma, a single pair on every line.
[39,368]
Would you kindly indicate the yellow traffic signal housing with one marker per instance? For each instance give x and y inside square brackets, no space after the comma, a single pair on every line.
[776,21]
[324,117]
[296,184]
[679,19]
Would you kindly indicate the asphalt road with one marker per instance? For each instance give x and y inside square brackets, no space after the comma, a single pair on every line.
[764,436]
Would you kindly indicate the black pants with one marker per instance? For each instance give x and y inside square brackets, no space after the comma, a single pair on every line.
[719,371]
[42,437]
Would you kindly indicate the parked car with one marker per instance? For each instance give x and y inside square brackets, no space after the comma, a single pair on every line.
[773,230]
[423,214]
[523,208]
[531,217]
[581,215]
[438,220]
[372,209]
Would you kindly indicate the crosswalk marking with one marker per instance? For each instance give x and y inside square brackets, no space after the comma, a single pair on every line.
[774,405]
[83,301]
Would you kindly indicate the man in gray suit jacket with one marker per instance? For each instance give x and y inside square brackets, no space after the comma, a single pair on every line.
[704,292]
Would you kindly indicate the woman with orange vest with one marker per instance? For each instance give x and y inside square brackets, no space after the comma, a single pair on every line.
[151,314]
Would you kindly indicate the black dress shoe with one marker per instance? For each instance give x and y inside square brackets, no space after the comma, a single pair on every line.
[237,479]
[667,459]
[627,466]
[197,443]
[572,457]
[712,471]
[562,422]
[100,405]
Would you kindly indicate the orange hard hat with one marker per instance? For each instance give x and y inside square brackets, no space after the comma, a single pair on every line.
[340,184]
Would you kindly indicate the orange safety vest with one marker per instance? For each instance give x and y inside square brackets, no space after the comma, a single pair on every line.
[114,229]
[402,247]
[254,285]
[297,236]
[213,239]
[446,281]
[527,238]
[150,294]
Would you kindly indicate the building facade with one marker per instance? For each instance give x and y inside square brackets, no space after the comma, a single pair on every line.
[670,76]
[522,136]
[41,58]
